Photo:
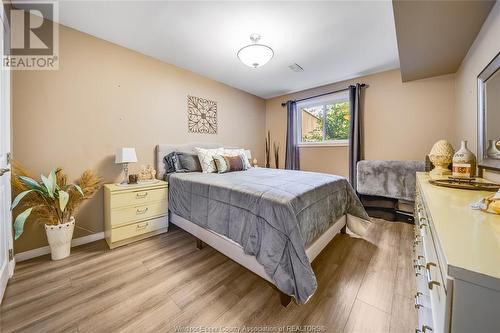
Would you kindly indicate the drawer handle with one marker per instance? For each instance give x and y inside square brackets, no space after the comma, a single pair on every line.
[417,303]
[418,266]
[141,195]
[141,211]
[144,226]
[430,282]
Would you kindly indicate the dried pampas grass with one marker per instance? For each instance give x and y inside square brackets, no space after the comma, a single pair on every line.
[44,211]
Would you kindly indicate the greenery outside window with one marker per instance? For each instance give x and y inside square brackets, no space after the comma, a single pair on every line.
[325,120]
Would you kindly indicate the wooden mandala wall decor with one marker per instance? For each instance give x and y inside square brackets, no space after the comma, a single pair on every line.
[202,115]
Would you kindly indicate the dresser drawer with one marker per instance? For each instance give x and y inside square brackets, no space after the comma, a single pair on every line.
[430,281]
[137,229]
[129,214]
[424,319]
[139,197]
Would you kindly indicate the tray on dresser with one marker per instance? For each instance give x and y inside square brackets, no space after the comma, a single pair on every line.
[465,184]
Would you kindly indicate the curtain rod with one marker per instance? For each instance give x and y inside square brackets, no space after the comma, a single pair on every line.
[328,93]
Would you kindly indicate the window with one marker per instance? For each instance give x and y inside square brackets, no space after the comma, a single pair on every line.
[325,120]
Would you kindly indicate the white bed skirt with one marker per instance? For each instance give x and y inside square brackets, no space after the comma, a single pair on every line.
[235,252]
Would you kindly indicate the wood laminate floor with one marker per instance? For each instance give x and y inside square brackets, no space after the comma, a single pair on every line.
[165,284]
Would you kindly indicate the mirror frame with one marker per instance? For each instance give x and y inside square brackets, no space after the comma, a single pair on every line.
[483,161]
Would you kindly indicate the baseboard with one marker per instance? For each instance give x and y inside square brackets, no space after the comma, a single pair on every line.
[41,251]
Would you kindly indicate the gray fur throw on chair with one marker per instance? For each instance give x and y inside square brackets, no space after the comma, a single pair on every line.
[390,179]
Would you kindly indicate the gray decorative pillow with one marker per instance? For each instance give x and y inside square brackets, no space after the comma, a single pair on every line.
[172,163]
[188,162]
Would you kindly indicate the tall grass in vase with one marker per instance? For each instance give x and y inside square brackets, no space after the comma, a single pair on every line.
[52,201]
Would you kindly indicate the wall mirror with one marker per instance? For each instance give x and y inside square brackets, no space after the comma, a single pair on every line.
[489,116]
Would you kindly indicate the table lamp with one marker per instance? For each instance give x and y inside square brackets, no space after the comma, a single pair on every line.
[125,156]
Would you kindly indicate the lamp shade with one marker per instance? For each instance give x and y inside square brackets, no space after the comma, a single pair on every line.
[125,155]
[255,55]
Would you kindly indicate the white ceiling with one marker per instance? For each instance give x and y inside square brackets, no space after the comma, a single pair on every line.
[331,40]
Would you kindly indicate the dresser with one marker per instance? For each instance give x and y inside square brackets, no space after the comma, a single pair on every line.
[456,261]
[134,212]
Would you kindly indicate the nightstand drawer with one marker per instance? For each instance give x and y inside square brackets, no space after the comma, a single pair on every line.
[138,197]
[137,229]
[125,215]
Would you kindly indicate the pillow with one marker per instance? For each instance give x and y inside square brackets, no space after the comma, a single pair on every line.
[220,163]
[235,163]
[206,157]
[188,163]
[235,152]
[172,163]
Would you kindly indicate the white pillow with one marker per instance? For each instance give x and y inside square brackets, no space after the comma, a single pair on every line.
[238,152]
[206,157]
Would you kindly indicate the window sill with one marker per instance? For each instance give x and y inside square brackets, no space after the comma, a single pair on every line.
[323,144]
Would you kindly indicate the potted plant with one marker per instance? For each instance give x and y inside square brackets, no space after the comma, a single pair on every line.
[52,201]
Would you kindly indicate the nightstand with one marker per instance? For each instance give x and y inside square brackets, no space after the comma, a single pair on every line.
[134,212]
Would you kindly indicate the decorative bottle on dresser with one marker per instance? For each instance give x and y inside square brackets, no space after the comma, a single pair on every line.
[464,162]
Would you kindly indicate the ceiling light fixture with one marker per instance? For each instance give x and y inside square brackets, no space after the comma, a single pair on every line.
[255,55]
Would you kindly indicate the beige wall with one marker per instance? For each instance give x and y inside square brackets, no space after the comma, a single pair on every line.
[104,97]
[402,120]
[483,50]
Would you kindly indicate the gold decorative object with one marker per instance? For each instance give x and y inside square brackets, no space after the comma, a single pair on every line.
[202,115]
[464,162]
[495,206]
[492,203]
[147,173]
[441,156]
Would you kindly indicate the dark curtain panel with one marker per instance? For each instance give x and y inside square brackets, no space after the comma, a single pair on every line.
[355,131]
[292,137]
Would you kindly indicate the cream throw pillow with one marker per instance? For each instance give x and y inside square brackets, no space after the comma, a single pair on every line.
[238,152]
[220,163]
[206,157]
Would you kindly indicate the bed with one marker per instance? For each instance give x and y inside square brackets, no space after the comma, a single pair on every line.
[272,222]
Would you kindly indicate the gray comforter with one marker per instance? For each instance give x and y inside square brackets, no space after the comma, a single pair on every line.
[273,214]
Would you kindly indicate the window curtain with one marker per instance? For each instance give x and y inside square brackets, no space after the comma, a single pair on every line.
[355,131]
[292,137]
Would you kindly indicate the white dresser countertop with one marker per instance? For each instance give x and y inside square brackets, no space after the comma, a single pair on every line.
[469,239]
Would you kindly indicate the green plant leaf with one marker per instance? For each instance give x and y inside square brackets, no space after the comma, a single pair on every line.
[79,189]
[19,222]
[50,183]
[32,184]
[45,182]
[63,199]
[19,197]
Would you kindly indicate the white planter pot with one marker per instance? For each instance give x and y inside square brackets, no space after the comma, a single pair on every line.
[59,237]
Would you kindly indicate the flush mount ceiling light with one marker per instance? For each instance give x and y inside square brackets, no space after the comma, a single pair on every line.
[255,55]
